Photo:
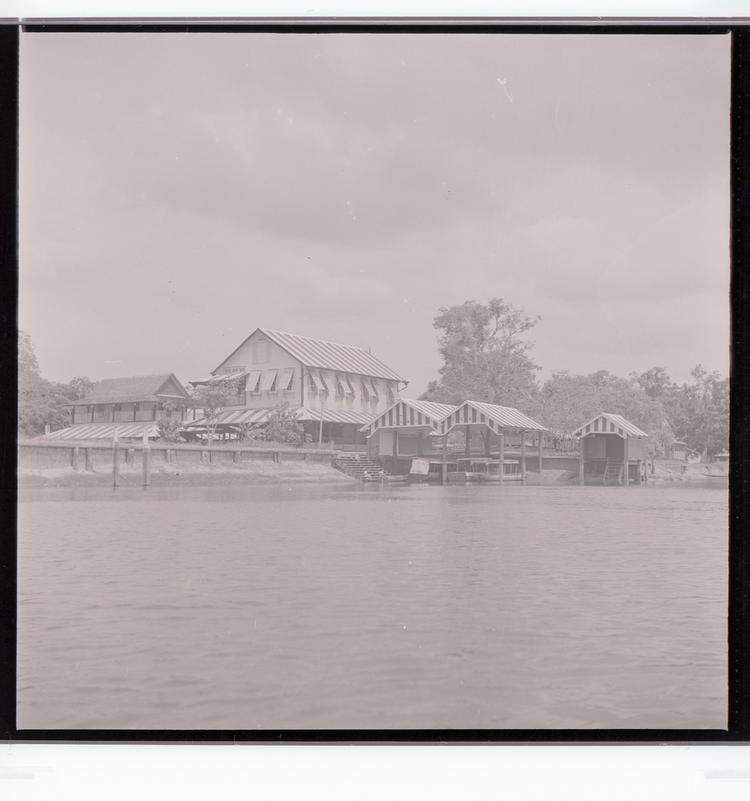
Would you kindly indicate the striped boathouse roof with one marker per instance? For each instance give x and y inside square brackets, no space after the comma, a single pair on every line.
[608,423]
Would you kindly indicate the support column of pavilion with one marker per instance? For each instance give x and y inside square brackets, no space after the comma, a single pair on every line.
[501,466]
[445,460]
[523,457]
[581,463]
[539,442]
[626,464]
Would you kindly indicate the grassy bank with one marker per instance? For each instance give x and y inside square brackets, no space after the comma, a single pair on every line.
[250,472]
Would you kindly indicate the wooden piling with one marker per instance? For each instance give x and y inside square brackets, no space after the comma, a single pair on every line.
[467,437]
[115,460]
[444,472]
[501,437]
[523,456]
[74,457]
[146,461]
[540,452]
[625,465]
[87,464]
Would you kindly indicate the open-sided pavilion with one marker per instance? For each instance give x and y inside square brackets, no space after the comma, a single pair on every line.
[412,428]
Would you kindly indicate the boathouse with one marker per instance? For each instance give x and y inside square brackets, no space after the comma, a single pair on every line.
[470,437]
[611,451]
[333,389]
[132,407]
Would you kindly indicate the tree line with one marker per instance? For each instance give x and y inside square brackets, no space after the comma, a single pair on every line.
[487,356]
[42,402]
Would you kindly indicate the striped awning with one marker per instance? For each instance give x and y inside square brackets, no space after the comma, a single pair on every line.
[333,416]
[607,423]
[216,379]
[105,431]
[234,417]
[496,418]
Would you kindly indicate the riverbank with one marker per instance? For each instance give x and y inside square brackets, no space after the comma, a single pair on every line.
[681,471]
[251,472]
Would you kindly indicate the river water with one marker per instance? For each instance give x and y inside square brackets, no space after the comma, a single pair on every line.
[373,607]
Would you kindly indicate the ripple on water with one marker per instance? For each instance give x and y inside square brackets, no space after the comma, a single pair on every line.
[374,607]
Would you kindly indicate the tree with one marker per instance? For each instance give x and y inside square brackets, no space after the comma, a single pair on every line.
[485,355]
[79,387]
[212,398]
[40,402]
[655,382]
[567,401]
[700,410]
[283,426]
[170,426]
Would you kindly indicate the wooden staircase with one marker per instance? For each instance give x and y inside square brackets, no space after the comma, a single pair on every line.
[359,466]
[612,471]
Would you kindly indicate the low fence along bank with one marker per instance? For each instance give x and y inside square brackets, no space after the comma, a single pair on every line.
[35,455]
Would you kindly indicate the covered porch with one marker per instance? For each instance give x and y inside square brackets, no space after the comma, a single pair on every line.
[333,428]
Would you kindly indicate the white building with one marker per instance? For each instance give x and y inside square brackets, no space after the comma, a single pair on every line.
[334,389]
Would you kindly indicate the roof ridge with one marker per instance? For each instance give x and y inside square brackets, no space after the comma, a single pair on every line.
[127,377]
[317,339]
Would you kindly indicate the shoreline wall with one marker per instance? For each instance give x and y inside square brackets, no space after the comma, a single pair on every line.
[36,455]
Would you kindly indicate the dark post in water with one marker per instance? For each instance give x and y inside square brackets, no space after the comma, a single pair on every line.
[146,461]
[116,460]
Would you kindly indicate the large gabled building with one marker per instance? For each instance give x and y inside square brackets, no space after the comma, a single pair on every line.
[333,389]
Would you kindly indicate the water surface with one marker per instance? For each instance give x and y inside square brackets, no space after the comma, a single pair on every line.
[371,607]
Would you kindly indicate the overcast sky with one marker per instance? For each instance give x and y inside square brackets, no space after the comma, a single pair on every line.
[179,190]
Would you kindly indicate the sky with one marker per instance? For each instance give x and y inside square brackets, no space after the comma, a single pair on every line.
[179,190]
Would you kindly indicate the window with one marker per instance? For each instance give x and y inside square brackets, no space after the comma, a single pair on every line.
[287,379]
[340,386]
[252,382]
[372,385]
[312,381]
[365,390]
[269,381]
[391,394]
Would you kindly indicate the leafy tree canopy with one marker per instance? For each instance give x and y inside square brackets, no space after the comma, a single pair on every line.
[42,402]
[485,355]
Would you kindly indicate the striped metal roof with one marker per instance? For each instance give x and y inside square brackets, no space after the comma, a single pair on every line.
[257,416]
[608,423]
[104,431]
[333,416]
[407,413]
[332,355]
[496,418]
[132,389]
[327,355]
